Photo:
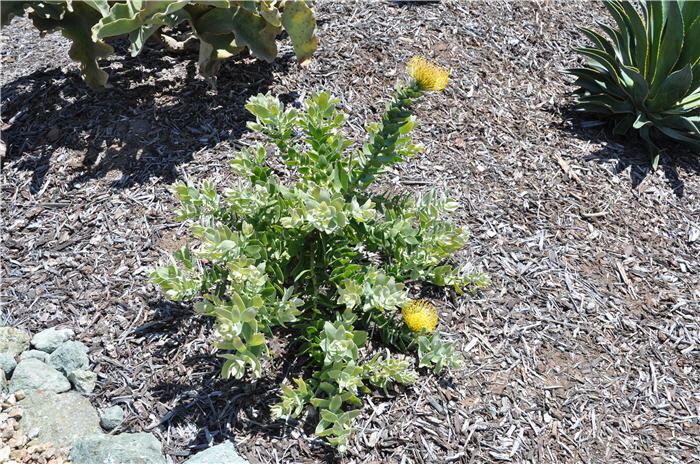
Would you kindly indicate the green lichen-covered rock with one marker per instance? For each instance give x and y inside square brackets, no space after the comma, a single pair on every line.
[125,448]
[83,381]
[32,374]
[13,341]
[112,417]
[61,419]
[34,354]
[50,339]
[7,363]
[69,357]
[225,453]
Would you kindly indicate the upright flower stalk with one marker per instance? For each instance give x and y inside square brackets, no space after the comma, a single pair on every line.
[386,144]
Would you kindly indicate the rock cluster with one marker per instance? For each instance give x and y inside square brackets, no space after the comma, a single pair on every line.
[42,422]
[55,363]
[18,446]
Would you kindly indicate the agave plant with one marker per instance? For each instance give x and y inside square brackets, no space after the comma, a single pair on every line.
[647,76]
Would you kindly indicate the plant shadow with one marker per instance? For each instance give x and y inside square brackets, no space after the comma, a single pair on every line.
[204,409]
[629,152]
[157,114]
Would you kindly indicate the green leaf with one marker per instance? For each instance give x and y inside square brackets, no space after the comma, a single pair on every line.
[617,12]
[256,339]
[602,59]
[672,90]
[299,22]
[671,45]
[76,25]
[599,40]
[636,85]
[271,14]
[691,45]
[640,44]
[255,33]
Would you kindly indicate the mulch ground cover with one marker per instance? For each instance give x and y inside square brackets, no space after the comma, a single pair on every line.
[585,347]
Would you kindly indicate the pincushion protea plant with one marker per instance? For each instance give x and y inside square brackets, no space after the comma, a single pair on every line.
[295,256]
[648,77]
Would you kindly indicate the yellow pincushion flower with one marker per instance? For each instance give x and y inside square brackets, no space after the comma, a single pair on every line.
[419,314]
[429,76]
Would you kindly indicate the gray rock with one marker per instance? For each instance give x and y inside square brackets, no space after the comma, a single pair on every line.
[7,363]
[13,341]
[112,417]
[61,419]
[32,374]
[125,448]
[48,340]
[3,382]
[225,453]
[69,356]
[42,356]
[83,381]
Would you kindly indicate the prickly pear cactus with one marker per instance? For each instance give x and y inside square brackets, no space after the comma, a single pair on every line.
[224,28]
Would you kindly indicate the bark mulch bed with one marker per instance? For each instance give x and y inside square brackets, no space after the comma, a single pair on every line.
[585,348]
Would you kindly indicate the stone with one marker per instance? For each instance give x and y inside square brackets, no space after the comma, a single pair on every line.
[112,417]
[13,341]
[50,339]
[224,453]
[32,374]
[125,448]
[61,419]
[83,381]
[3,382]
[42,356]
[69,356]
[7,364]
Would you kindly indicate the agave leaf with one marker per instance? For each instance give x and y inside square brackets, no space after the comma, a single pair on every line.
[598,40]
[680,136]
[597,79]
[671,46]
[609,104]
[614,35]
[299,22]
[690,124]
[691,13]
[635,83]
[617,12]
[601,58]
[689,103]
[691,46]
[642,121]
[624,125]
[655,24]
[673,89]
[651,148]
[639,34]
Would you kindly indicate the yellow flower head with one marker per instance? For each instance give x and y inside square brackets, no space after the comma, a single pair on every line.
[429,76]
[419,314]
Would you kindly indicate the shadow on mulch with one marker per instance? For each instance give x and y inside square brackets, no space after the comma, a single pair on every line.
[157,115]
[629,151]
[219,410]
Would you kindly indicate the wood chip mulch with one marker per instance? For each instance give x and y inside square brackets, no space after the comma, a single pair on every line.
[585,348]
